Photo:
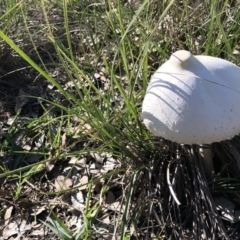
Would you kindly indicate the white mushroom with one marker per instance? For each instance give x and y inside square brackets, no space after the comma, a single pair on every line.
[194,100]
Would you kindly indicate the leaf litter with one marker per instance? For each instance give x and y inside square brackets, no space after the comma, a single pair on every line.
[73,177]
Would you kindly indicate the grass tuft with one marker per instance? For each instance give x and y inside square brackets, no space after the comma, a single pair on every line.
[73,75]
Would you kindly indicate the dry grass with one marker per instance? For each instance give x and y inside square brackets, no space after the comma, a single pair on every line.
[73,151]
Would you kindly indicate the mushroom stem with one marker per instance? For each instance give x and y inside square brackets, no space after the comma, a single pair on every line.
[206,153]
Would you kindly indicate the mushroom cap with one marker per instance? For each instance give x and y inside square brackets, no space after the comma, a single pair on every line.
[193,99]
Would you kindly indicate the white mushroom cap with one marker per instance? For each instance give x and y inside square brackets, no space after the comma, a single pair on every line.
[193,99]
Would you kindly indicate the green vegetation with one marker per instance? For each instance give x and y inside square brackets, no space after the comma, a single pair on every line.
[75,157]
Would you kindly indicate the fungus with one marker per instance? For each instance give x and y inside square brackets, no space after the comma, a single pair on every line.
[194,100]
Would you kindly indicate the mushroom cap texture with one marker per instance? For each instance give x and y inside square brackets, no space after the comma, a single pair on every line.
[193,99]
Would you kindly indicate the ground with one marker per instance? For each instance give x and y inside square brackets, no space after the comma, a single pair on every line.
[76,161]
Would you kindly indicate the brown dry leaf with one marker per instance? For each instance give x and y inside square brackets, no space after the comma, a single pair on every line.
[54,202]
[77,200]
[110,164]
[83,180]
[10,121]
[87,128]
[106,220]
[76,161]
[49,166]
[62,183]
[116,207]
[95,168]
[38,209]
[15,227]
[97,157]
[73,160]
[7,215]
[64,137]
[39,232]
[72,220]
